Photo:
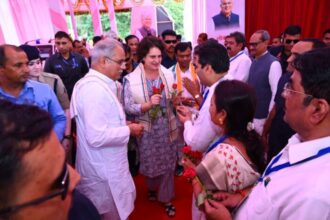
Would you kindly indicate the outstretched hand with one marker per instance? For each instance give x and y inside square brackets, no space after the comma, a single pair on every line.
[192,86]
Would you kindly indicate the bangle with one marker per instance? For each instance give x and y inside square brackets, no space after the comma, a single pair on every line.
[197,96]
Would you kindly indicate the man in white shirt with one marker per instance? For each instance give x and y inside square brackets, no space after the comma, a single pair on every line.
[295,183]
[211,64]
[265,72]
[239,62]
[103,134]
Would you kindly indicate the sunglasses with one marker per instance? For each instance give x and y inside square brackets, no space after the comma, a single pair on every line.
[63,191]
[254,44]
[170,41]
[288,41]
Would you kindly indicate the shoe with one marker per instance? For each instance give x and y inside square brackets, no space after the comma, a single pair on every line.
[170,210]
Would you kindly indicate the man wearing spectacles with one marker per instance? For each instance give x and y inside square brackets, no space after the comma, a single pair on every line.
[291,36]
[295,184]
[276,131]
[103,134]
[169,41]
[265,71]
[226,18]
[35,180]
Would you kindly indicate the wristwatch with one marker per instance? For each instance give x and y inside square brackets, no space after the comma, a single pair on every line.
[197,96]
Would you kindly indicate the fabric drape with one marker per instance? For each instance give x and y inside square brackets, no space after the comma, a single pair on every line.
[275,16]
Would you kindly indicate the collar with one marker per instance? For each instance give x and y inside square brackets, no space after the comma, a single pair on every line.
[262,55]
[216,83]
[59,56]
[299,151]
[27,86]
[237,55]
[101,75]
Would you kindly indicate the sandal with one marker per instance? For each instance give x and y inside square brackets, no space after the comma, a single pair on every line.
[152,195]
[170,210]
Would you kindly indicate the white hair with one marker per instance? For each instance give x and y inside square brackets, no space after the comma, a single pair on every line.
[110,35]
[104,48]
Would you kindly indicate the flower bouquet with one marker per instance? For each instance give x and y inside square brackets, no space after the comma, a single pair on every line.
[154,112]
[194,156]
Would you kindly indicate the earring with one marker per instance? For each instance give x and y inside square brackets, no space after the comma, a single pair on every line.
[220,121]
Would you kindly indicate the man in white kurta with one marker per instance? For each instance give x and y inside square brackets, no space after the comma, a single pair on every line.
[240,62]
[103,134]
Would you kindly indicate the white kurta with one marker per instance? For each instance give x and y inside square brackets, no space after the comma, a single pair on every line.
[102,145]
[239,67]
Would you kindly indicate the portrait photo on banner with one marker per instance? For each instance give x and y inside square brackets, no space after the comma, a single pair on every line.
[224,17]
[144,21]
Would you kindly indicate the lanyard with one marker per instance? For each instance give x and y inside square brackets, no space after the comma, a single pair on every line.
[204,98]
[271,168]
[239,54]
[219,141]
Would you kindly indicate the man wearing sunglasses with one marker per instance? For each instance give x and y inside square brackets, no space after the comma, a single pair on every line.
[35,180]
[169,41]
[291,37]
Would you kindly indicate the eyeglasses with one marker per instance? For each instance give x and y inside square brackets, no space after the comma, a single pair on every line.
[170,41]
[119,62]
[289,41]
[254,44]
[287,90]
[63,191]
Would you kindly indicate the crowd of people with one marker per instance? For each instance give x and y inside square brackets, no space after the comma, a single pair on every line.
[242,105]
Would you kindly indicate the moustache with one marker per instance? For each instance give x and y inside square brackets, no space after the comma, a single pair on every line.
[228,48]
